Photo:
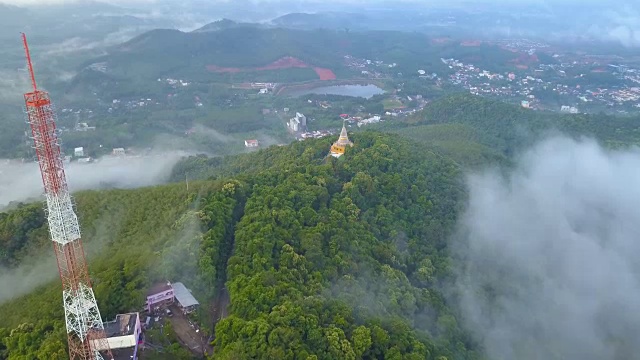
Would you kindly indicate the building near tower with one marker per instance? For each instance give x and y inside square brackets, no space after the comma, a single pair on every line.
[123,332]
[159,295]
[165,294]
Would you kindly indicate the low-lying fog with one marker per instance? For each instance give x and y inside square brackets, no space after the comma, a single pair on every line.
[22,181]
[548,254]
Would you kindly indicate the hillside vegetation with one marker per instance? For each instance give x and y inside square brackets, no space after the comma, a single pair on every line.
[322,258]
[129,237]
[508,128]
[460,142]
[474,131]
[159,53]
[470,130]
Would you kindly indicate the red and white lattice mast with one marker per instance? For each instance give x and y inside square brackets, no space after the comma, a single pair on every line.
[85,330]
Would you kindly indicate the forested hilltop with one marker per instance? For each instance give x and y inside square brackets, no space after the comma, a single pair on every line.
[323,258]
[227,44]
[470,130]
[475,131]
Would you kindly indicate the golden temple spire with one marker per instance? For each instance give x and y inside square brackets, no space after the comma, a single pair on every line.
[338,147]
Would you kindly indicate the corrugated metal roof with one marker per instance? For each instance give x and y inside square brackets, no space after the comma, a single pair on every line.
[183,295]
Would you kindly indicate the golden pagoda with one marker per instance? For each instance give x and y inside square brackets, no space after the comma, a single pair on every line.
[338,147]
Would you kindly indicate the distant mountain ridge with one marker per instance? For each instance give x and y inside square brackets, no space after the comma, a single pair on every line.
[329,20]
[224,24]
[229,51]
[208,51]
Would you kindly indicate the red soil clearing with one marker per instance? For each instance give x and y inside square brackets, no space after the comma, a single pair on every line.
[524,61]
[283,63]
[324,74]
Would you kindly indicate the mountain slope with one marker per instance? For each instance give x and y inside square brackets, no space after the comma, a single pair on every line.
[173,53]
[337,258]
[460,142]
[222,25]
[472,129]
[333,258]
[327,20]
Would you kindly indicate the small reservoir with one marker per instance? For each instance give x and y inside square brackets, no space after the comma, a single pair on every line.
[363,91]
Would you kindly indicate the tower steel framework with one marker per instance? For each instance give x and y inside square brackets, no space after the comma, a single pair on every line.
[85,329]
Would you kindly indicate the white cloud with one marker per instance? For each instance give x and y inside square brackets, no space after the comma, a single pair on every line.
[548,254]
[22,181]
[50,2]
[624,26]
[79,44]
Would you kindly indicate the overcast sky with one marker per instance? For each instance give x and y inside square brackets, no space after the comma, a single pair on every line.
[616,20]
[550,4]
[547,2]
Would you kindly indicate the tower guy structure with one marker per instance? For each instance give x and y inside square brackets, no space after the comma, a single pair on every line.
[85,329]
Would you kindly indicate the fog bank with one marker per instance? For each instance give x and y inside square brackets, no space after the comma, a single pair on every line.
[547,263]
[22,181]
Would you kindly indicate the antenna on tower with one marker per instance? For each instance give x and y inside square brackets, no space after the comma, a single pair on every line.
[29,63]
[85,330]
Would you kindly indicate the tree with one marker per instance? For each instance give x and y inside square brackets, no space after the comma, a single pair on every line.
[361,341]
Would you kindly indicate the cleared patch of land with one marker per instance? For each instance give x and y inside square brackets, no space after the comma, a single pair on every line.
[283,63]
[188,333]
[390,104]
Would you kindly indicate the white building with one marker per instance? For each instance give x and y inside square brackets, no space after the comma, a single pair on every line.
[298,123]
[294,124]
[371,120]
[78,152]
[302,119]
[83,126]
[118,152]
[123,332]
[569,109]
[251,143]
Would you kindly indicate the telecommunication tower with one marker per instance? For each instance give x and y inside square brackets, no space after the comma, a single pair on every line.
[85,329]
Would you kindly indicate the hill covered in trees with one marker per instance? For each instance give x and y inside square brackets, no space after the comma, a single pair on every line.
[470,130]
[323,258]
[474,131]
[224,44]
